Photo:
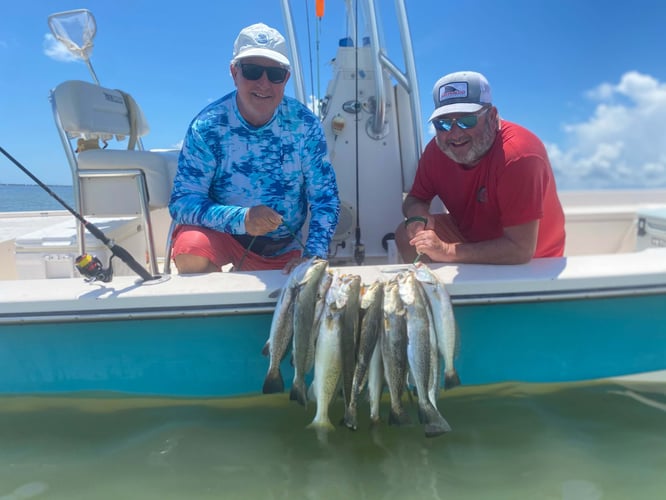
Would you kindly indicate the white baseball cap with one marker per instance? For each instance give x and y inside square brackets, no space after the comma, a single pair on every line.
[262,41]
[460,92]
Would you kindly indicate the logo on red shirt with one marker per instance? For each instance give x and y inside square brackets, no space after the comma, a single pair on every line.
[482,195]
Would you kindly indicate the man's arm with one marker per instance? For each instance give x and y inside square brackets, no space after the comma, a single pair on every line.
[515,246]
[413,206]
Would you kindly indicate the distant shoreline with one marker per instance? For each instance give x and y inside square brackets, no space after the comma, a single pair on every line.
[10,184]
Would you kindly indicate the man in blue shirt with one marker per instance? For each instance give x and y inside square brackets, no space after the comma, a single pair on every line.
[253,164]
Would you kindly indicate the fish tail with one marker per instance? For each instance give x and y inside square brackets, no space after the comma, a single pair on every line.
[375,420]
[323,424]
[350,420]
[298,392]
[451,380]
[435,423]
[398,416]
[273,382]
[437,429]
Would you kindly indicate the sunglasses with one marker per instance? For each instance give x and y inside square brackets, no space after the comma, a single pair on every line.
[253,72]
[464,122]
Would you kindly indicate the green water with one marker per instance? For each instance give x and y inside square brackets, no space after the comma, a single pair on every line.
[509,441]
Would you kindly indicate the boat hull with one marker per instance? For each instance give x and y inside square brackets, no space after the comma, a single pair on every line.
[208,353]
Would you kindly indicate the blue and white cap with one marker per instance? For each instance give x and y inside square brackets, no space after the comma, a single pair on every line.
[460,92]
[262,41]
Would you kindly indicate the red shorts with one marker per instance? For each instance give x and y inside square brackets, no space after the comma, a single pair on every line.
[222,249]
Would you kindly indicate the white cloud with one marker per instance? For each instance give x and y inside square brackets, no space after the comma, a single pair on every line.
[622,144]
[55,50]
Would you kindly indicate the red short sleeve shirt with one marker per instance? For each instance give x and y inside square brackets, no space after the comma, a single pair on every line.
[512,184]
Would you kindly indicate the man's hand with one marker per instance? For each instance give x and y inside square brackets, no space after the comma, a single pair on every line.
[426,242]
[261,219]
[289,266]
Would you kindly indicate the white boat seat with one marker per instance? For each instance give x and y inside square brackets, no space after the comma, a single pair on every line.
[111,177]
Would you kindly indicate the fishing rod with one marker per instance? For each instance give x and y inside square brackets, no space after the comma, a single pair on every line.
[87,265]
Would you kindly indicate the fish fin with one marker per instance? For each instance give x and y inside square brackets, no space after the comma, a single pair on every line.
[350,420]
[435,423]
[324,425]
[298,392]
[266,350]
[273,383]
[437,429]
[399,417]
[375,421]
[451,380]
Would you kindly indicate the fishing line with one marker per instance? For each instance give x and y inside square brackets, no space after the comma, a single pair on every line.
[247,250]
[293,234]
[359,248]
[116,250]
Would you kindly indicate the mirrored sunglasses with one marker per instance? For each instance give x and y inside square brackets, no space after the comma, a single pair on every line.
[253,72]
[464,122]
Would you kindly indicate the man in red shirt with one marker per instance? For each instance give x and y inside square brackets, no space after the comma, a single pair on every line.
[494,178]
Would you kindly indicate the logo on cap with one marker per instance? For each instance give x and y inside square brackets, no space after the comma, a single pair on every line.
[262,38]
[452,91]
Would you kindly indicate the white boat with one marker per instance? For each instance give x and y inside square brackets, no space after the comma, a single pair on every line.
[596,312]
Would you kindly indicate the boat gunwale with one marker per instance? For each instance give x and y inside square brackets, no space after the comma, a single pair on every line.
[213,310]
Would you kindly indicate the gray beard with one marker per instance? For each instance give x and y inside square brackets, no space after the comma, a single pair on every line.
[474,155]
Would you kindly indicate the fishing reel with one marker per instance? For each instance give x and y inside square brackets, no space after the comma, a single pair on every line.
[92,269]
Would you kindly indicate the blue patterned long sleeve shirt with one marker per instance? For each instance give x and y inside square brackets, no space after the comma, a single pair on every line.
[227,166]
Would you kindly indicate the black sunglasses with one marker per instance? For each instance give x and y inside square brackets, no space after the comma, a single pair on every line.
[253,72]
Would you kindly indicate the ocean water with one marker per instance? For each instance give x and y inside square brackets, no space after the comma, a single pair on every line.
[31,197]
[598,440]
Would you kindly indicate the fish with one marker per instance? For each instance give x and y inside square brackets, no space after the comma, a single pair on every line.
[282,328]
[328,355]
[303,337]
[444,321]
[394,351]
[324,285]
[371,323]
[421,353]
[376,379]
[351,288]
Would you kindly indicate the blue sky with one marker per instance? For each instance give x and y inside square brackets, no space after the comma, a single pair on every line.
[588,77]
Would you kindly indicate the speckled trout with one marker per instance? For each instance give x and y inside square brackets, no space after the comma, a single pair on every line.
[328,354]
[371,319]
[282,328]
[394,351]
[440,305]
[422,355]
[305,306]
[351,288]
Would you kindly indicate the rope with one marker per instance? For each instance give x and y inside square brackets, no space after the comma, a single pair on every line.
[132,118]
